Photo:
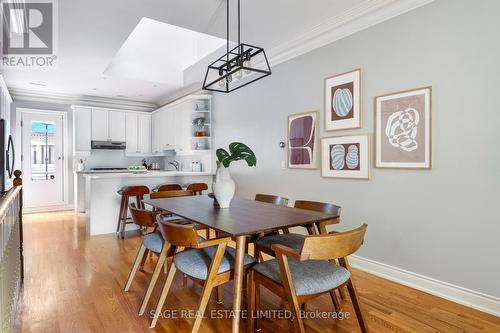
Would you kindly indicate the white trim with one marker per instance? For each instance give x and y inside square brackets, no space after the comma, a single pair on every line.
[47,209]
[3,87]
[366,14]
[66,159]
[82,100]
[464,296]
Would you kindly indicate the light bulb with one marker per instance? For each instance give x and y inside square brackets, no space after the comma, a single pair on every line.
[247,64]
[238,75]
[221,83]
[229,78]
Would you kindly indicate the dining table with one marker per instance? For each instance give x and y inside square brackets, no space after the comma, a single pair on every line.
[242,219]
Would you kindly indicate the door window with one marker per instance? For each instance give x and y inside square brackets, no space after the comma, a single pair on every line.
[42,151]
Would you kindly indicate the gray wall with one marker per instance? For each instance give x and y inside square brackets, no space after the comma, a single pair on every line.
[442,223]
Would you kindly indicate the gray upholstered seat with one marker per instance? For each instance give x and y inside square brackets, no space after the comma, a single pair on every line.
[153,242]
[293,241]
[195,262]
[309,277]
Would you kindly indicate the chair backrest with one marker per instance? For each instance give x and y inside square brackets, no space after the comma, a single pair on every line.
[197,188]
[170,194]
[169,187]
[322,207]
[273,199]
[134,190]
[142,217]
[334,246]
[179,234]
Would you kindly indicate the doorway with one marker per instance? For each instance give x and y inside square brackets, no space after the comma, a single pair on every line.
[42,159]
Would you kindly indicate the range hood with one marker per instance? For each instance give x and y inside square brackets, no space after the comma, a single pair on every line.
[109,145]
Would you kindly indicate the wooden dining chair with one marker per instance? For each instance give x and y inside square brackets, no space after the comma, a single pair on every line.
[170,194]
[167,187]
[295,241]
[152,242]
[197,188]
[300,275]
[274,199]
[210,262]
[176,194]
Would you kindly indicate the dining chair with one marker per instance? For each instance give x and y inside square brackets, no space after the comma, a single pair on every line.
[295,241]
[210,262]
[152,242]
[301,275]
[197,188]
[167,187]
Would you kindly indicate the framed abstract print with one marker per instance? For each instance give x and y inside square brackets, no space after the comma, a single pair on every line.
[302,140]
[343,101]
[403,129]
[346,156]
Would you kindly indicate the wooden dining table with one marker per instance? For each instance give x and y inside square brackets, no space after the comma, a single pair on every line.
[244,218]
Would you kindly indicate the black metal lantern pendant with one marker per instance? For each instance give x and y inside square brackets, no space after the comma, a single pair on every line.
[239,67]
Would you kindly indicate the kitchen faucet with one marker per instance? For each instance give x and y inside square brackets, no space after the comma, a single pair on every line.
[176,164]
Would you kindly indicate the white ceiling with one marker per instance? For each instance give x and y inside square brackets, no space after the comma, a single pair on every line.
[91,32]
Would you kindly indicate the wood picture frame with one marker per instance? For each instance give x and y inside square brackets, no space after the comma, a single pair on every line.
[342,101]
[346,156]
[403,129]
[302,140]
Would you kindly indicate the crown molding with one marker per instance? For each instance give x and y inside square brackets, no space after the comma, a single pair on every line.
[84,100]
[3,87]
[349,22]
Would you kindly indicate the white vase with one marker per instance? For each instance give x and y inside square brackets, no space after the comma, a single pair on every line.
[223,187]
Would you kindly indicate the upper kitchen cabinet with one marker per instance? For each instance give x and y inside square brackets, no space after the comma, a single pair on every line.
[82,130]
[183,126]
[138,133]
[108,125]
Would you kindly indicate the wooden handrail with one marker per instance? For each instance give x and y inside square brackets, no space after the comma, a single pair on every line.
[11,270]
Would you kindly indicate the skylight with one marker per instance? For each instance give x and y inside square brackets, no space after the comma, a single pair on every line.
[160,52]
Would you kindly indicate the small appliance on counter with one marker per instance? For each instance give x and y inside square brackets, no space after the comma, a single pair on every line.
[80,166]
[196,166]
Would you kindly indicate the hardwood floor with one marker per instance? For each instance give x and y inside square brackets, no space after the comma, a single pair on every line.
[75,284]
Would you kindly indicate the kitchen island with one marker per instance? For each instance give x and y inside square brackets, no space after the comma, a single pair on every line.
[96,193]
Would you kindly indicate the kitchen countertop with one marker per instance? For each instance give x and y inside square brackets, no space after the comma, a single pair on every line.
[139,174]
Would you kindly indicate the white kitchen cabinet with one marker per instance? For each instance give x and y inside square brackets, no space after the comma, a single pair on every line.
[169,125]
[100,125]
[155,133]
[131,138]
[183,127]
[82,130]
[144,133]
[117,125]
[108,125]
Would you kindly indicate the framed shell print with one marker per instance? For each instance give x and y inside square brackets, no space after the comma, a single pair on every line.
[346,156]
[343,101]
[302,140]
[403,129]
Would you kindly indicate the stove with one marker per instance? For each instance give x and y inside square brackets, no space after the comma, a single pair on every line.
[108,169]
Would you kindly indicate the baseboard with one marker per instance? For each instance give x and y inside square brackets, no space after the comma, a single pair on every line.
[47,209]
[474,299]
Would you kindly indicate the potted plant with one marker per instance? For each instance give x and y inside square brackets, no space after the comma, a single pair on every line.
[223,185]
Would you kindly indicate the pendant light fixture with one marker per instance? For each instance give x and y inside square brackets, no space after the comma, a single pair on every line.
[237,68]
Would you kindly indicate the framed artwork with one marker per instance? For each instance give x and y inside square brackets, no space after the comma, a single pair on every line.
[343,101]
[346,156]
[403,129]
[302,140]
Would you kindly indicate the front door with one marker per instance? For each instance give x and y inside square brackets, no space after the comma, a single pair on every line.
[42,159]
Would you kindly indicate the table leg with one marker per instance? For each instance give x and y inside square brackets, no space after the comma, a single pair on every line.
[238,281]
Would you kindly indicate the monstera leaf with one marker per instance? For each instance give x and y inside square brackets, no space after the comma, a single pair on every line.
[237,151]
